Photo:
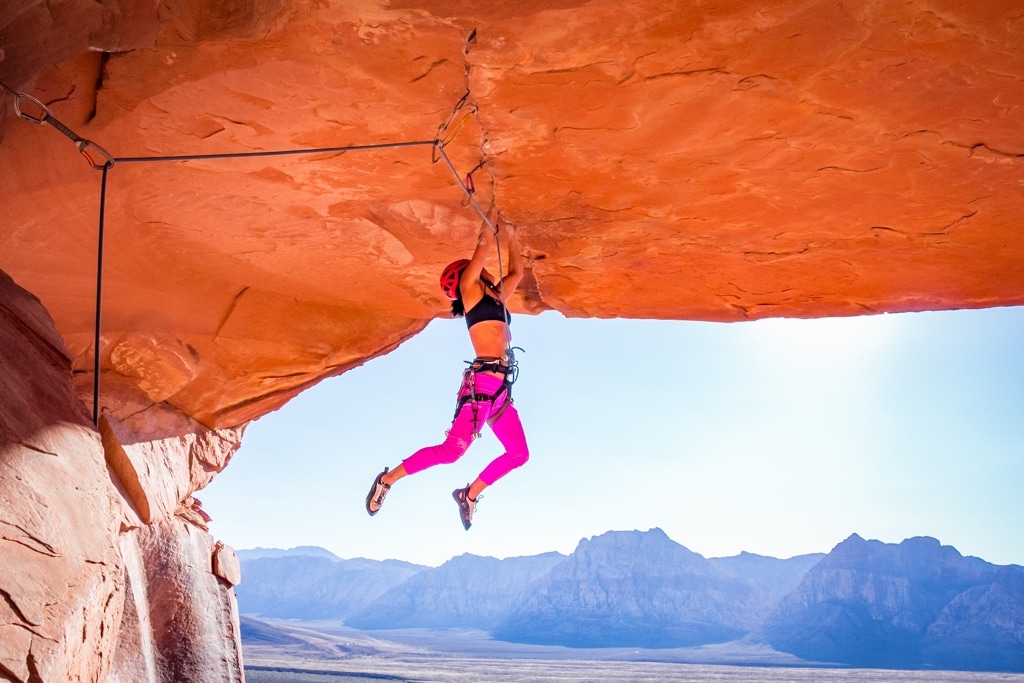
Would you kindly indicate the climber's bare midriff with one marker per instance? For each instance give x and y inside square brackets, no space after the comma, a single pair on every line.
[490,339]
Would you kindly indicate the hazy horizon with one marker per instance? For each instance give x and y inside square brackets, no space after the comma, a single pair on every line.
[709,557]
[400,655]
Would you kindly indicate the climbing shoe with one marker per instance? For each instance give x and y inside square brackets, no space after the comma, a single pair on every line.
[375,498]
[466,506]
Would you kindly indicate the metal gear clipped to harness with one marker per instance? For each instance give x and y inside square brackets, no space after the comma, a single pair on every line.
[508,366]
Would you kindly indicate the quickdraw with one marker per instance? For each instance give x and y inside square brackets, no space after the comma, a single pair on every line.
[444,135]
[469,187]
[86,147]
[103,161]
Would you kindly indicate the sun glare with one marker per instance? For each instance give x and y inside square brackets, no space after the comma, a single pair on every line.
[824,338]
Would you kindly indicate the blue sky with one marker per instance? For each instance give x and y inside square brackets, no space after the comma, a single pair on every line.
[778,437]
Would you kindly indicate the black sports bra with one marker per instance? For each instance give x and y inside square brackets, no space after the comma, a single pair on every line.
[488,308]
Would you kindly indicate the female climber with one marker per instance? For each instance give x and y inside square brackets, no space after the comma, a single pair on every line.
[485,393]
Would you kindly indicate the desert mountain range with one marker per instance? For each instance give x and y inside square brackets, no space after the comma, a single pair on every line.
[917,604]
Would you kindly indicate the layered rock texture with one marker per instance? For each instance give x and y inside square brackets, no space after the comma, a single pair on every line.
[61,578]
[673,160]
[100,580]
[724,161]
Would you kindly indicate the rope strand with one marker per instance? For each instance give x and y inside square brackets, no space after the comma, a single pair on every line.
[494,231]
[84,146]
[272,153]
[99,303]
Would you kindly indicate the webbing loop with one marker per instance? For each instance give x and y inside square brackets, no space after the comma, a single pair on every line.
[470,189]
[443,137]
[451,135]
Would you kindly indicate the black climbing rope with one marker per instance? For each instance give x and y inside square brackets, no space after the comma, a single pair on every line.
[101,160]
[494,230]
[99,302]
[272,153]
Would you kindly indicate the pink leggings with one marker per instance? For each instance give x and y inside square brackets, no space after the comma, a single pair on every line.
[507,428]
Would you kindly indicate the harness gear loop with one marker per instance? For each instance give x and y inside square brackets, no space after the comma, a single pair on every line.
[508,366]
[475,406]
[85,147]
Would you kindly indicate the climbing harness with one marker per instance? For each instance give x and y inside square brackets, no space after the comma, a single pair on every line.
[507,366]
[34,111]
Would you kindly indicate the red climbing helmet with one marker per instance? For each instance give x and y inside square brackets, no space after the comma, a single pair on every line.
[450,278]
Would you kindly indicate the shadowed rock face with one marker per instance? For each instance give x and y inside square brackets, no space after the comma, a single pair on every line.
[94,584]
[61,580]
[663,160]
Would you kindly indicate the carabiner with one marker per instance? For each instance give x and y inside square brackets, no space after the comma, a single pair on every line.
[85,145]
[28,117]
[443,137]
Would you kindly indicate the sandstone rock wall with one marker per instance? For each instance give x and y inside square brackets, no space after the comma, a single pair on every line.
[89,589]
[720,161]
[726,161]
[189,621]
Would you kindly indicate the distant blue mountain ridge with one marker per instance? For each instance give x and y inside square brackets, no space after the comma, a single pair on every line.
[915,605]
[313,583]
[299,551]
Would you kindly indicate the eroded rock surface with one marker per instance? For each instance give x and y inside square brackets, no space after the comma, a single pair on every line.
[61,580]
[718,162]
[95,586]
